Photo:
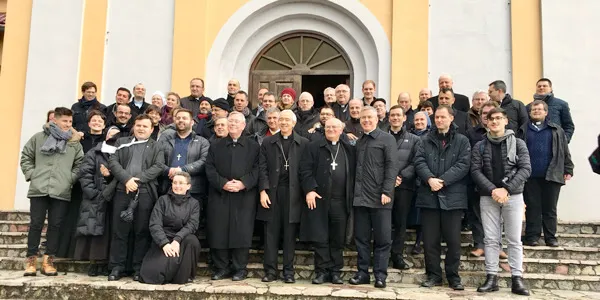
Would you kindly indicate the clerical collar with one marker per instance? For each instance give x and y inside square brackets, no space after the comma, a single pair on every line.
[286,137]
[235,140]
[395,132]
[369,133]
[333,143]
[538,123]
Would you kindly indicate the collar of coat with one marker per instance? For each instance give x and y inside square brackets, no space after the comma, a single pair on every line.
[373,134]
[242,140]
[295,137]
[324,141]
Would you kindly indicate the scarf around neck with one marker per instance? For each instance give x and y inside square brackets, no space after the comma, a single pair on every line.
[87,104]
[542,96]
[511,145]
[57,139]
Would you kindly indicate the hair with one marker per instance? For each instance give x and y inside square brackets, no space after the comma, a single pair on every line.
[477,92]
[294,118]
[236,113]
[447,108]
[87,85]
[62,111]
[326,107]
[124,89]
[186,111]
[328,89]
[185,175]
[397,106]
[139,83]
[426,104]
[240,92]
[499,85]
[152,108]
[94,113]
[540,102]
[489,103]
[174,94]
[273,110]
[368,108]
[545,79]
[48,115]
[306,94]
[142,117]
[126,105]
[197,78]
[446,90]
[362,103]
[175,110]
[269,93]
[369,81]
[496,110]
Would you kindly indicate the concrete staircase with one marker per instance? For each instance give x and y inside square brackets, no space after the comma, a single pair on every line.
[575,265]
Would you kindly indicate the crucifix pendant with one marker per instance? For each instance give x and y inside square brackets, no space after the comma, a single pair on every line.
[286,165]
[333,165]
[178,157]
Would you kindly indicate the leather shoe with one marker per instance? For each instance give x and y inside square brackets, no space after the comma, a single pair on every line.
[490,284]
[399,263]
[269,278]
[114,275]
[430,282]
[518,286]
[93,270]
[136,276]
[531,243]
[552,243]
[336,279]
[321,278]
[456,285]
[380,283]
[360,279]
[222,274]
[477,252]
[289,279]
[240,275]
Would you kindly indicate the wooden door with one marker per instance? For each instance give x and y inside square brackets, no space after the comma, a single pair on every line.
[275,82]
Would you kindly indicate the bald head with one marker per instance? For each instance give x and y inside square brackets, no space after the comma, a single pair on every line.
[445,81]
[342,94]
[233,86]
[404,101]
[424,94]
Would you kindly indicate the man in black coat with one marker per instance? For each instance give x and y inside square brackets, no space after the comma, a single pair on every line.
[407,145]
[558,109]
[122,97]
[220,109]
[136,165]
[462,101]
[442,163]
[405,102]
[551,168]
[232,171]
[353,129]
[280,195]
[82,108]
[259,127]
[326,219]
[376,170]
[461,119]
[307,114]
[515,109]
[138,104]
[340,107]
[192,102]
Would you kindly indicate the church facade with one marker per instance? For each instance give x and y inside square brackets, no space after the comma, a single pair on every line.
[49,48]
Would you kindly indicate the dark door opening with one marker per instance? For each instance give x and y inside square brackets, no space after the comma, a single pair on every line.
[316,84]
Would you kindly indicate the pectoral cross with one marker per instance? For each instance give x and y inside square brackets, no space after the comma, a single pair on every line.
[333,165]
[286,165]
[178,157]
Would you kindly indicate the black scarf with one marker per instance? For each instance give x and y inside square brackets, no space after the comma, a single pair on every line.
[178,199]
[87,104]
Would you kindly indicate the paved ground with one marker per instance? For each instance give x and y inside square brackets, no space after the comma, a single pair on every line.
[49,287]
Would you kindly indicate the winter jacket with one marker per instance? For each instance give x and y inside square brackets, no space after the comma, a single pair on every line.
[559,113]
[193,104]
[376,169]
[515,111]
[407,147]
[259,127]
[196,157]
[92,212]
[561,163]
[51,175]
[482,168]
[306,120]
[81,113]
[450,164]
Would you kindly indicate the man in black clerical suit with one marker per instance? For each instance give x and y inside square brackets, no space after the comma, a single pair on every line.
[280,195]
[327,172]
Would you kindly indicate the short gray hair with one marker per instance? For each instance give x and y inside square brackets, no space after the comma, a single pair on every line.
[368,108]
[294,118]
[273,110]
[477,92]
[237,113]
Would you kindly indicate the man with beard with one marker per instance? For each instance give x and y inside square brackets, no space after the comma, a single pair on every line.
[329,96]
[233,86]
[551,168]
[220,109]
[406,103]
[232,171]
[325,164]
[340,108]
[515,109]
[353,129]
[558,109]
[442,163]
[445,82]
[318,130]
[381,109]
[479,98]
[122,97]
[446,97]
[259,108]
[407,144]
[138,104]
[136,165]
[185,152]
[196,97]
[280,195]
[376,170]
[204,114]
[259,127]
[122,120]
[368,89]
[307,115]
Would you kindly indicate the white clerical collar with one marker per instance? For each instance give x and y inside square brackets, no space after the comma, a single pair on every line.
[368,133]
[286,137]
[235,140]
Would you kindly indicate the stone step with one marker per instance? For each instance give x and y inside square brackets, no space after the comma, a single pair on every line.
[17,226]
[77,286]
[412,276]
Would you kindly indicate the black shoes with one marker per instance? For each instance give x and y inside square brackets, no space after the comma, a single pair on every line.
[321,278]
[518,286]
[380,283]
[531,243]
[490,284]
[136,276]
[269,278]
[222,274]
[456,285]
[336,279]
[431,282]
[399,263]
[289,279]
[360,279]
[552,243]
[114,275]
[417,249]
[93,270]
[240,275]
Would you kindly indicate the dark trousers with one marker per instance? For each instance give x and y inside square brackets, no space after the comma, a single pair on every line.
[541,198]
[402,201]
[436,224]
[378,220]
[119,245]
[38,206]
[237,256]
[329,256]
[474,217]
[274,229]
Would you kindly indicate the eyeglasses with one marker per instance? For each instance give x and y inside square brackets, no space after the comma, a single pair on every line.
[326,114]
[495,119]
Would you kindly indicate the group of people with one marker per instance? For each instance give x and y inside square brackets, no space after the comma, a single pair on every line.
[129,186]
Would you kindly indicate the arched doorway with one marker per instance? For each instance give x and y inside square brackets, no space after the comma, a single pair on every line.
[304,61]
